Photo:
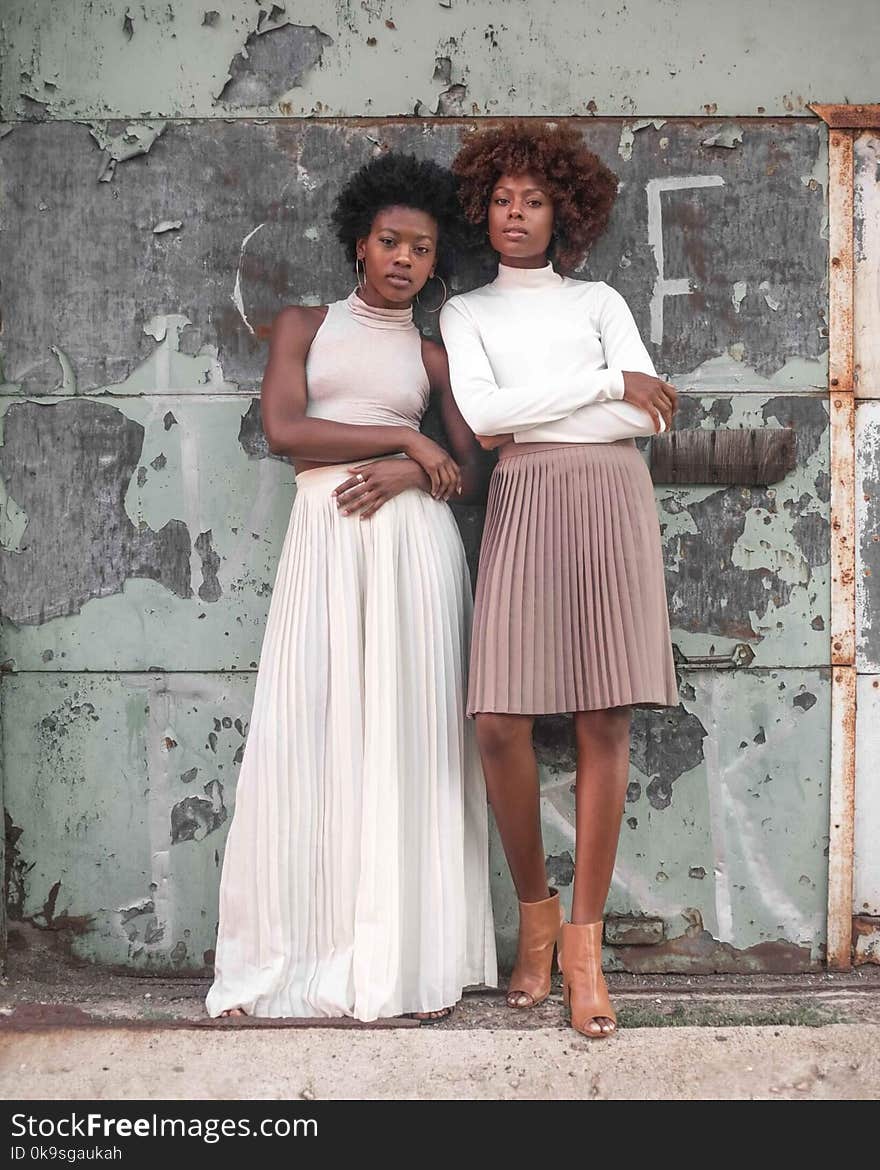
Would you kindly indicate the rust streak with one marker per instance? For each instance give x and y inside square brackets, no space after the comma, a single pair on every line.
[843,598]
[864,117]
[840,212]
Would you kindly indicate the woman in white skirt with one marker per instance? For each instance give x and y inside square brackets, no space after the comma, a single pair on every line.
[355,879]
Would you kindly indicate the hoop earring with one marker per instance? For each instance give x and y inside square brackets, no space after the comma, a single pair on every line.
[443,301]
[360,267]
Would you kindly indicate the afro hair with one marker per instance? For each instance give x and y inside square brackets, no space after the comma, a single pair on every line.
[399,180]
[581,187]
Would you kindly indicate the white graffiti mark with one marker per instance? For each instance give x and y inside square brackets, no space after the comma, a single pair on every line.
[68,376]
[665,286]
[236,292]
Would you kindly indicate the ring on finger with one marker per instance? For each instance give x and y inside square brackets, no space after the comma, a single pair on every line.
[360,478]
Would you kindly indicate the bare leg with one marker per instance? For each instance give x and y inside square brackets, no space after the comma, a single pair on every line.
[602,776]
[511,773]
[512,783]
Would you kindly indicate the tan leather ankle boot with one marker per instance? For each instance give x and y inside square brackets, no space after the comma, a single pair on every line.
[583,984]
[539,925]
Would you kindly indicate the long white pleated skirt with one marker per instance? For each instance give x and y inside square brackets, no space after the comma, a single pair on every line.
[355,879]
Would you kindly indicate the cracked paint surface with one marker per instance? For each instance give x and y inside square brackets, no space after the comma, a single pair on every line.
[739,846]
[79,542]
[138,878]
[218,281]
[732,777]
[201,605]
[171,59]
[268,66]
[751,564]
[741,840]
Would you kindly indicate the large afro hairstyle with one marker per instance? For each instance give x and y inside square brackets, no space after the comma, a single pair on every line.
[582,188]
[399,180]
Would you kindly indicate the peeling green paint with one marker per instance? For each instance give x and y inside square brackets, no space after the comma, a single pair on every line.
[162,59]
[751,813]
[121,779]
[145,875]
[766,585]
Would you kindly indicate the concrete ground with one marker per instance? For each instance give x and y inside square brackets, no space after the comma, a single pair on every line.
[70,1031]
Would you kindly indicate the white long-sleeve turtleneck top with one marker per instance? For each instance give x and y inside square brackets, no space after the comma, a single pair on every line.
[541,356]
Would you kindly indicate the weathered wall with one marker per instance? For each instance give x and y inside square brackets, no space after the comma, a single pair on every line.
[371,58]
[141,516]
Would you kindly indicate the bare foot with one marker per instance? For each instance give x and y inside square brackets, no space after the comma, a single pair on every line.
[520,999]
[442,1014]
[601,1026]
[237,1011]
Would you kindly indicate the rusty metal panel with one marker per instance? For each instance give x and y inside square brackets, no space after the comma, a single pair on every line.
[840,369]
[848,116]
[120,791]
[866,296]
[725,828]
[840,292]
[841,199]
[252,200]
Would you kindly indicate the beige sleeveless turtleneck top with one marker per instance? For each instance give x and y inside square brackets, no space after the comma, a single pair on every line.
[364,367]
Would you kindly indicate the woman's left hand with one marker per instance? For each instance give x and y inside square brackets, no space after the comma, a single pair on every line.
[373,484]
[490,442]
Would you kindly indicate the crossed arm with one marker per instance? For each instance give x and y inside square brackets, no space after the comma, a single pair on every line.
[529,412]
[289,431]
[373,484]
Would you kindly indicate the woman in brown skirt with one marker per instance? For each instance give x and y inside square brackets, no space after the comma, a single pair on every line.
[571,608]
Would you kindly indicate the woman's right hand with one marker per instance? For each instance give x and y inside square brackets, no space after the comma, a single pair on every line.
[651,394]
[438,465]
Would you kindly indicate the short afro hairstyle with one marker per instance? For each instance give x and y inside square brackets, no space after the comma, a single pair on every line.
[582,188]
[399,180]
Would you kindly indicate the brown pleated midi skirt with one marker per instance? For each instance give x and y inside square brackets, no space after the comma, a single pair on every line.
[571,605]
